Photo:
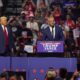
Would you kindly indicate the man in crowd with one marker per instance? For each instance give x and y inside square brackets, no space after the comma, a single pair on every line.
[6,38]
[51,74]
[52,32]
[62,74]
[33,26]
[3,76]
[13,77]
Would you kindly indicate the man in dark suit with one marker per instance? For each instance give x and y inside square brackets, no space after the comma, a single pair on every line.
[52,32]
[62,74]
[6,37]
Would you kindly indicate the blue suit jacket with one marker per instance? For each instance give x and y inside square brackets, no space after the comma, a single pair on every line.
[3,41]
[47,36]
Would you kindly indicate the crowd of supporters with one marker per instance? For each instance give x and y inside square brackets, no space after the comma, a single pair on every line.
[51,74]
[10,75]
[26,27]
[61,74]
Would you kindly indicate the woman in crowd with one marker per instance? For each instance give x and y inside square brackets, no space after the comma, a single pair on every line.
[57,14]
[28,8]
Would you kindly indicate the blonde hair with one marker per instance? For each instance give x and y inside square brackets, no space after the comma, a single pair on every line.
[50,17]
[3,17]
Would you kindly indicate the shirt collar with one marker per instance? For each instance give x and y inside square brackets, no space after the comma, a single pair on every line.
[2,26]
[51,28]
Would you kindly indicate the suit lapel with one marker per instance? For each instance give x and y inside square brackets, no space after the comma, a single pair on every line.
[1,29]
[2,32]
[55,32]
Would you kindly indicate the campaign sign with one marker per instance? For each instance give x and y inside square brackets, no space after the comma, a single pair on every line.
[50,46]
[71,4]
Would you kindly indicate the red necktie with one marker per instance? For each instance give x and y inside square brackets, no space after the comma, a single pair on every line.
[6,35]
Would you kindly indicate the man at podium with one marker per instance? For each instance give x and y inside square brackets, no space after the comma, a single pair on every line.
[52,32]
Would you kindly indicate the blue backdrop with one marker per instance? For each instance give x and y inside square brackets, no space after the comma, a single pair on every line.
[41,65]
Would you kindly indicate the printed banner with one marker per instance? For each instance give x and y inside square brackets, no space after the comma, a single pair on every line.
[50,46]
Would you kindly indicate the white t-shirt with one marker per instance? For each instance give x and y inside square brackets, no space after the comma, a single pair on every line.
[32,26]
[66,27]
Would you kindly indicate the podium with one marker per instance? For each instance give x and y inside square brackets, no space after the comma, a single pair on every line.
[50,46]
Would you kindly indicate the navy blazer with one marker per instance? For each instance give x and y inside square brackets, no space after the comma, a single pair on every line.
[3,41]
[47,36]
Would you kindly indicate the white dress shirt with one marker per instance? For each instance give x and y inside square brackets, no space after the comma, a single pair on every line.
[53,31]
